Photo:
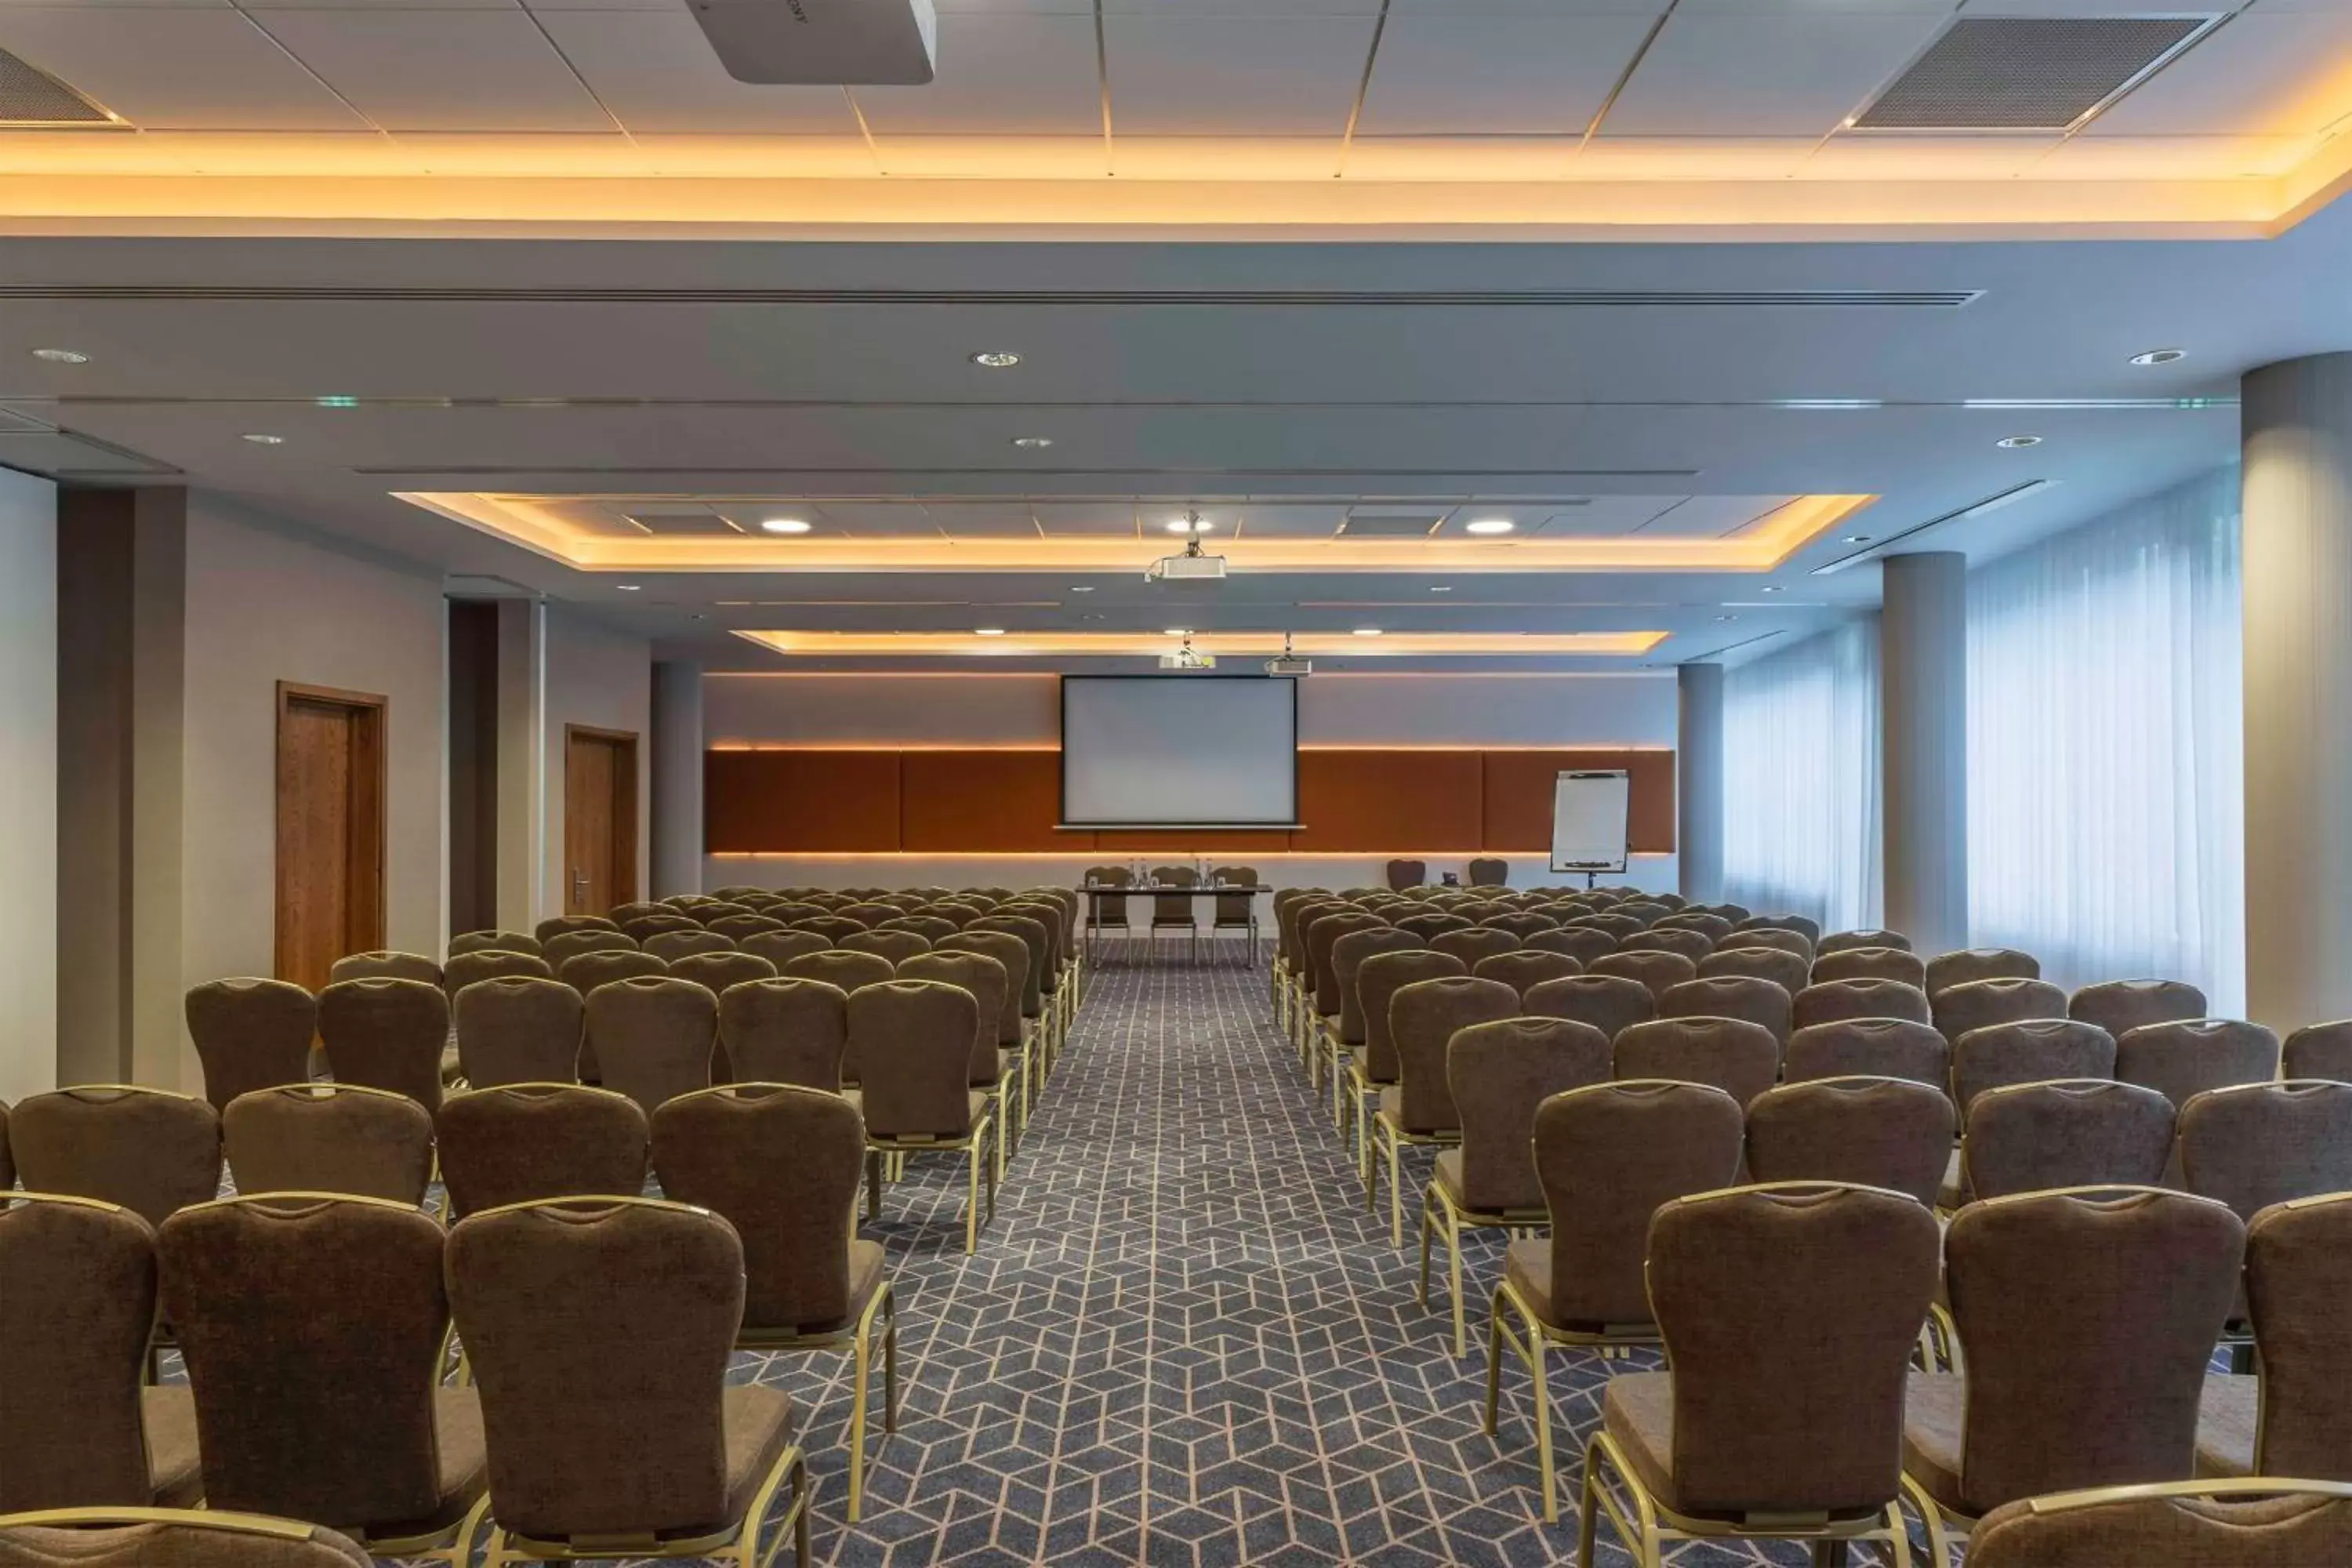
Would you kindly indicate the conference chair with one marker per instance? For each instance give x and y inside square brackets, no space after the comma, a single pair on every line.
[1802,925]
[1875,938]
[518,1029]
[523,1141]
[1787,971]
[2290,1418]
[735,928]
[933,929]
[1373,1069]
[1428,924]
[654,1036]
[1497,1072]
[469,968]
[1834,1001]
[787,1031]
[2030,1050]
[1608,1155]
[1277,970]
[1888,1133]
[1583,946]
[1968,964]
[1320,936]
[572,943]
[150,1150]
[1343,1042]
[1976,1004]
[1871,963]
[2119,1006]
[1017,1057]
[2319,1050]
[672,945]
[897,946]
[913,1040]
[1878,1047]
[1761,1002]
[1404,874]
[1693,945]
[312,1327]
[1714,927]
[1291,1004]
[1106,913]
[1610,1003]
[2068,1132]
[385,965]
[780,1162]
[1040,997]
[1775,939]
[1523,969]
[1423,1018]
[169,1538]
[620,1433]
[2250,1523]
[1760,1292]
[847,972]
[985,980]
[1236,911]
[555,925]
[2185,1057]
[330,1138]
[643,929]
[2089,1316]
[76,1429]
[781,947]
[387,1033]
[716,972]
[2252,1145]
[1488,871]
[1735,1055]
[869,913]
[251,1034]
[1658,972]
[495,941]
[1175,912]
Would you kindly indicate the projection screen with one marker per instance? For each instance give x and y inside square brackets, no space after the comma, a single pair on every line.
[1184,751]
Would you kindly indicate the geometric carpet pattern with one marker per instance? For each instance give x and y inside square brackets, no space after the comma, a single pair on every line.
[1183,1342]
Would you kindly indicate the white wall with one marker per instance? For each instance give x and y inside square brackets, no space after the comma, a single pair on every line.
[599,678]
[28,785]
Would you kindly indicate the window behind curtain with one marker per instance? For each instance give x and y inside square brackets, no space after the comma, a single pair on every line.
[1801,830]
[2105,784]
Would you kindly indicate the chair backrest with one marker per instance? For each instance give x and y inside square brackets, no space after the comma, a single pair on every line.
[1523,924]
[1871,963]
[1234,908]
[1976,1004]
[170,1538]
[869,913]
[2186,1057]
[617,1425]
[1317,936]
[933,929]
[1790,972]
[1888,1133]
[149,1150]
[988,984]
[75,1318]
[1608,1156]
[495,941]
[1768,938]
[897,946]
[2119,1006]
[1173,909]
[1834,1001]
[780,1162]
[294,1318]
[735,928]
[2089,1316]
[1735,1055]
[387,1033]
[2319,1050]
[1610,1003]
[2251,1145]
[785,1031]
[1430,923]
[572,943]
[715,971]
[2032,1050]
[2245,1523]
[653,1037]
[1801,925]
[1039,942]
[1474,944]
[251,1034]
[466,969]
[556,925]
[1488,871]
[1876,939]
[1764,1002]
[1879,1048]
[385,964]
[1347,956]
[1402,874]
[1618,926]
[1967,965]
[913,1042]
[1498,1072]
[2298,1277]
[643,929]
[1423,1018]
[832,928]
[1659,972]
[1378,980]
[1012,954]
[1714,927]
[1292,910]
[1523,969]
[590,970]
[1694,945]
[2068,1132]
[518,1030]
[1583,946]
[672,945]
[781,947]
[330,1138]
[1765,1295]
[523,1142]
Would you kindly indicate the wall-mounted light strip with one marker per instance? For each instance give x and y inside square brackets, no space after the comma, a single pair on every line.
[1230,645]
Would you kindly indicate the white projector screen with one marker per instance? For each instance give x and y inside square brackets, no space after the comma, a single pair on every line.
[1588,820]
[1180,751]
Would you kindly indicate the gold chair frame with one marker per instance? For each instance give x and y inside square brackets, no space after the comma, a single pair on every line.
[859,1337]
[1393,1139]
[1610,1341]
[976,1141]
[99,1518]
[1645,1524]
[1455,1219]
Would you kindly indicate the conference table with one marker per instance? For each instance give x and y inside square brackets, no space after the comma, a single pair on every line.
[1093,893]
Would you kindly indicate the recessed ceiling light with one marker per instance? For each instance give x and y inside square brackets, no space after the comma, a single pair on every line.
[1368,631]
[1726,617]
[336,400]
[629,587]
[2014,442]
[1082,587]
[1032,442]
[996,359]
[1857,539]
[988,631]
[1489,525]
[784,524]
[1191,525]
[61,357]
[1440,587]
[2160,356]
[1768,589]
[261,440]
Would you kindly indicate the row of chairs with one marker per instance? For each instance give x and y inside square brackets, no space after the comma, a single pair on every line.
[1108,914]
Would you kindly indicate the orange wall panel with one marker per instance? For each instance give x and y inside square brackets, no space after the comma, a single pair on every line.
[1519,794]
[1400,801]
[998,800]
[837,802]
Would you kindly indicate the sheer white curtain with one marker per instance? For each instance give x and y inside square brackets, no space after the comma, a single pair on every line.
[2106,787]
[1801,780]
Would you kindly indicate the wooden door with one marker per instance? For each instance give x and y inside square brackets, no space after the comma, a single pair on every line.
[331,829]
[600,819]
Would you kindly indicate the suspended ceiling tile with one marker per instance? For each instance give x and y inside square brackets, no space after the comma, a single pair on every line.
[1599,517]
[175,68]
[984,520]
[2262,74]
[878,519]
[1174,74]
[1711,517]
[999,75]
[1448,75]
[441,71]
[1287,521]
[1086,520]
[656,72]
[1740,74]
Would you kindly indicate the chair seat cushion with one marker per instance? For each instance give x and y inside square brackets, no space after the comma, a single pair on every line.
[867,1270]
[1392,1110]
[2226,1418]
[464,1468]
[1637,1409]
[174,1469]
[759,1423]
[1527,1265]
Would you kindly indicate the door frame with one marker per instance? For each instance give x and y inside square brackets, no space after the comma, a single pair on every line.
[624,810]
[371,790]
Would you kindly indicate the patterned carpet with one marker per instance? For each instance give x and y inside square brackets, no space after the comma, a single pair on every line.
[1183,1341]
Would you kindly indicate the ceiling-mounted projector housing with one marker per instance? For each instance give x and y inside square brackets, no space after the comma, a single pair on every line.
[1289,664]
[1189,567]
[823,43]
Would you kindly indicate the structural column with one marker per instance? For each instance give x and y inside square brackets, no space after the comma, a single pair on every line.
[2297,419]
[1923,748]
[676,778]
[1699,796]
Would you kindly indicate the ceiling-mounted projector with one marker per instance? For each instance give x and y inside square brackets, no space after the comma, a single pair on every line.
[823,43]
[1189,567]
[1289,664]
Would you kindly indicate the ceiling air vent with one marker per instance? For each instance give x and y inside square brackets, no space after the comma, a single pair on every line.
[1390,524]
[30,98]
[2029,73]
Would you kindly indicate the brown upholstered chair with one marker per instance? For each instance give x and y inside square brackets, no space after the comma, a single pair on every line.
[1758,1001]
[387,1033]
[1660,972]
[990,984]
[1488,871]
[897,946]
[523,1142]
[1758,1292]
[467,968]
[1343,1040]
[1402,874]
[787,1031]
[385,965]
[913,1040]
[2248,1524]
[932,928]
[1877,1047]
[1610,1003]
[615,1427]
[2119,1006]
[148,1150]
[1475,943]
[2251,1145]
[590,970]
[715,971]
[1693,945]
[869,912]
[572,943]
[2068,1132]
[1976,1004]
[1524,969]
[1788,970]
[1736,1056]
[1497,1073]
[832,927]
[169,1538]
[1714,927]
[1834,1001]
[251,1034]
[2032,1050]
[312,1329]
[671,945]
[1608,1155]
[1871,963]
[1769,939]
[76,1427]
[1040,997]
[2291,1418]
[735,928]
[781,1164]
[781,947]
[848,972]
[1888,1133]
[1970,964]
[2081,1370]
[1423,1018]
[1583,946]
[2319,1050]
[1374,1067]
[1015,1057]
[654,1036]
[1877,938]
[1801,925]
[642,929]
[1317,936]
[518,1029]
[330,1138]
[1428,923]
[2186,1057]
[556,925]
[495,941]
[1523,924]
